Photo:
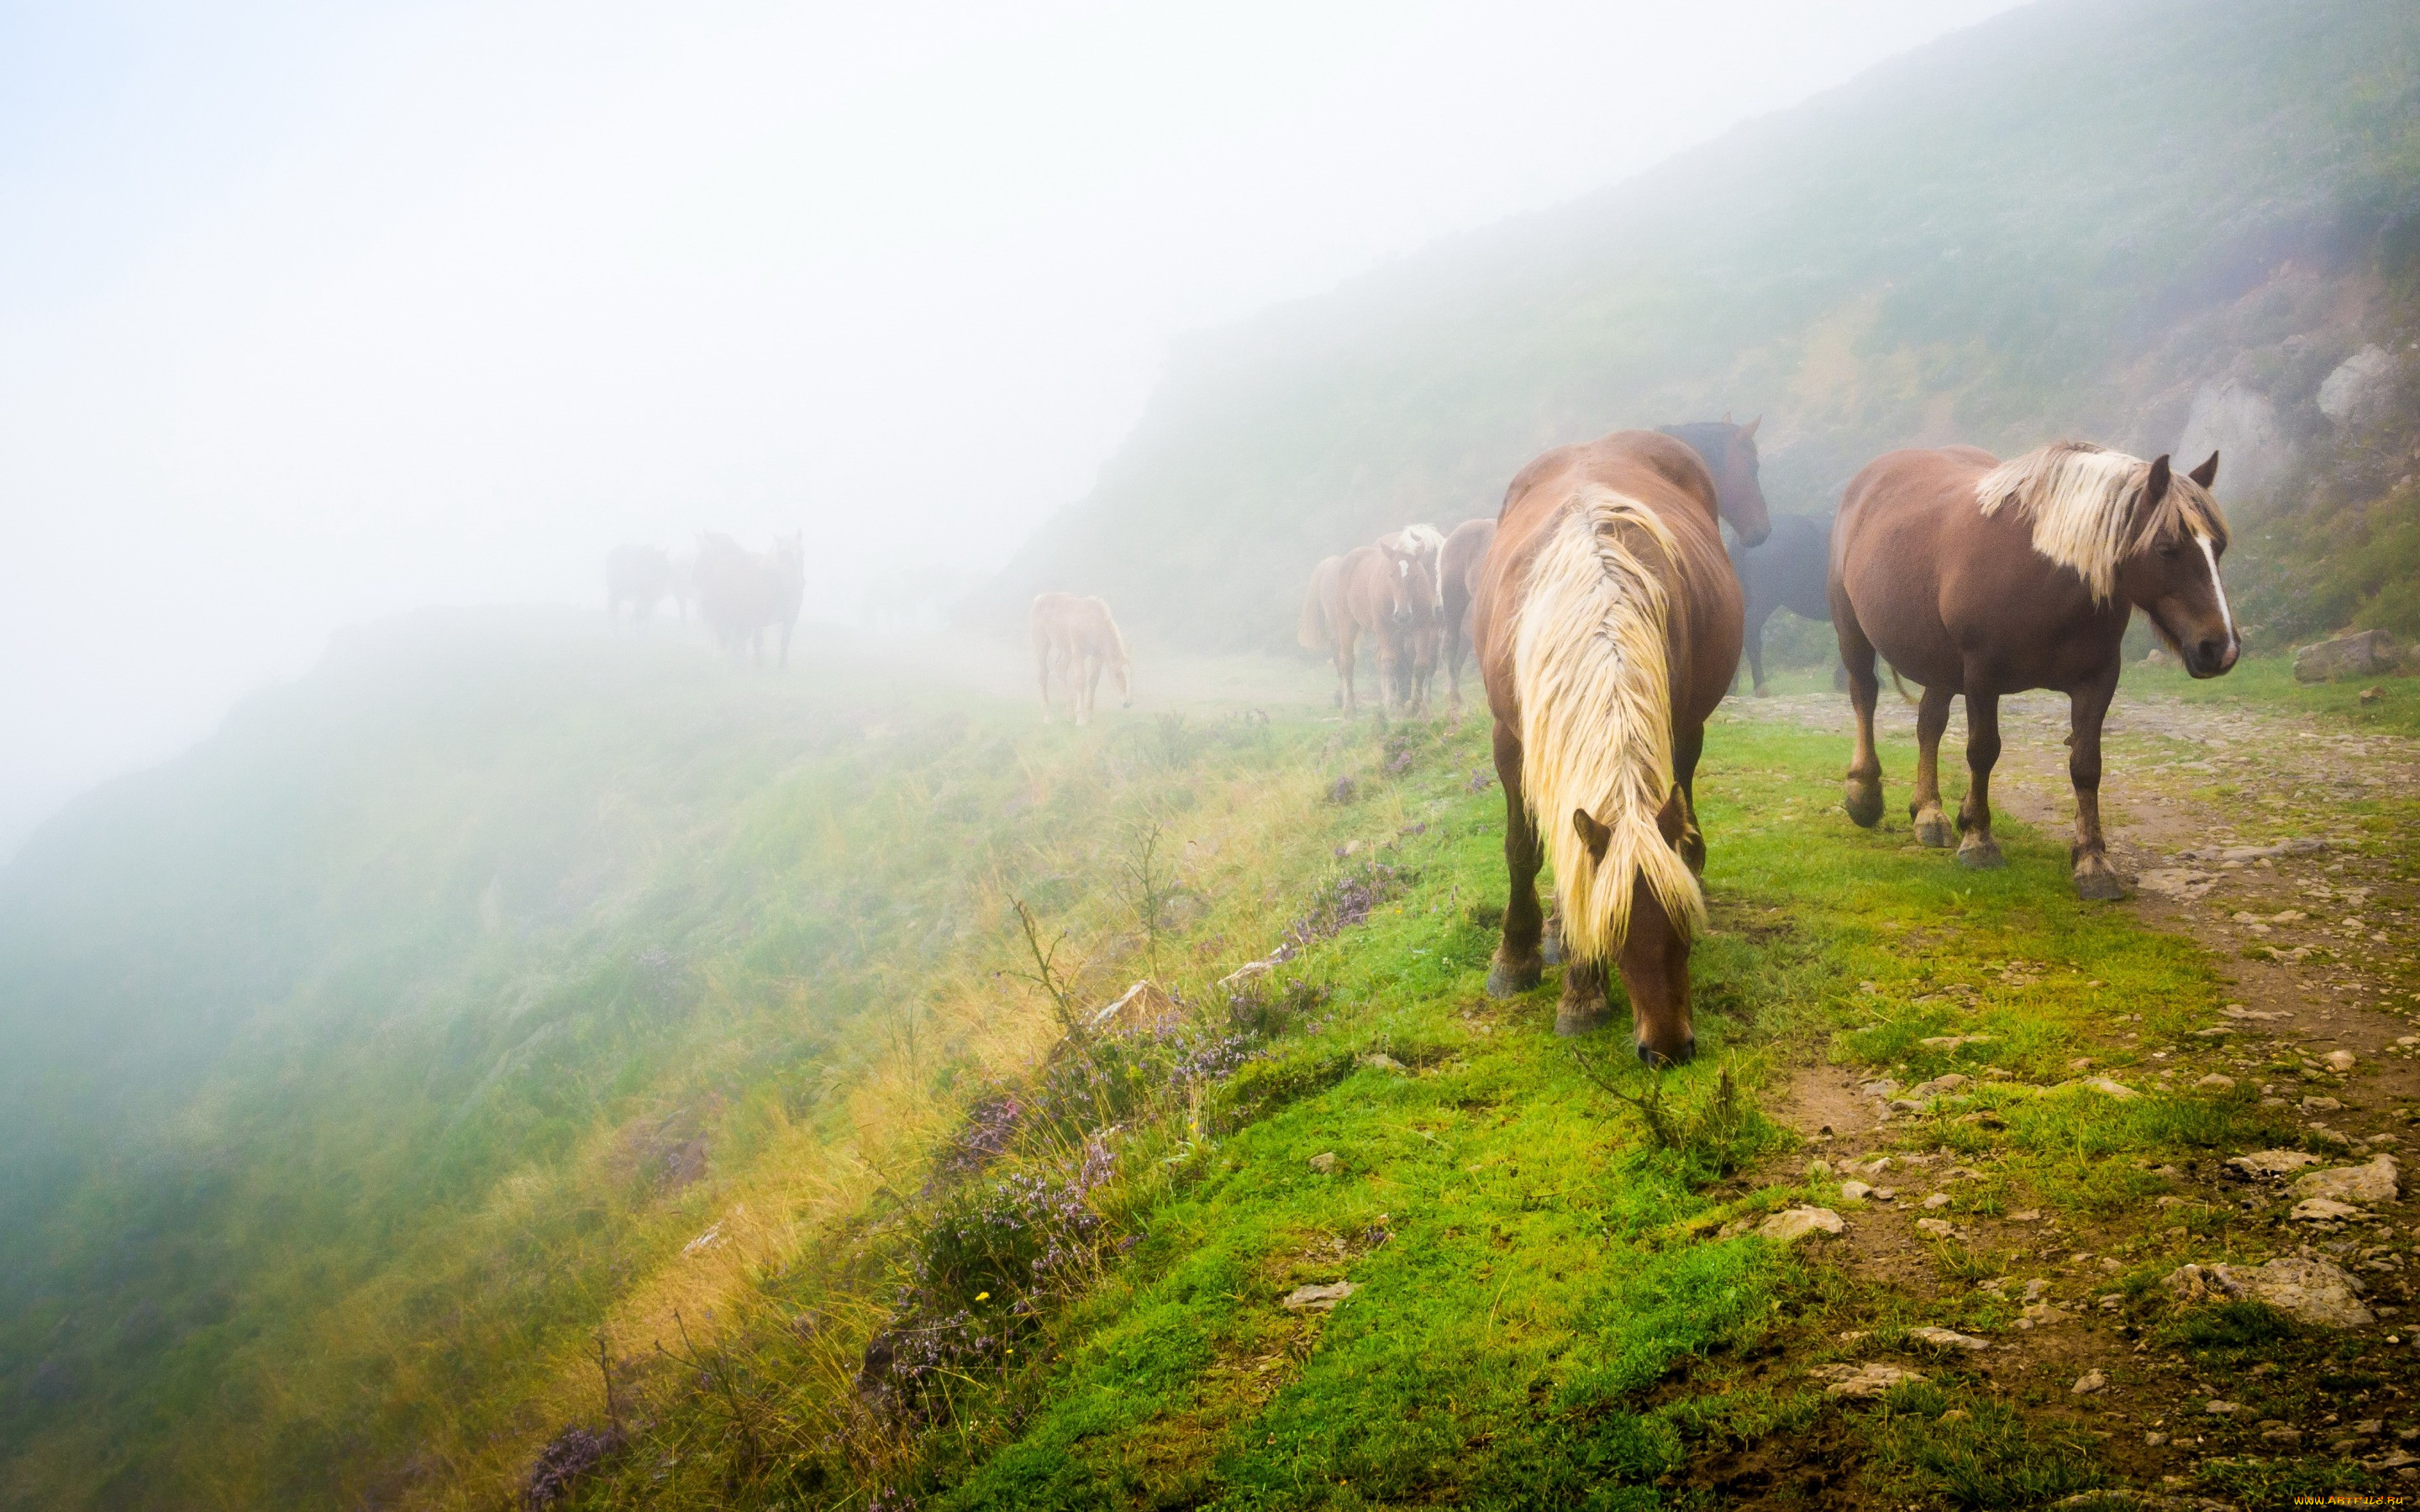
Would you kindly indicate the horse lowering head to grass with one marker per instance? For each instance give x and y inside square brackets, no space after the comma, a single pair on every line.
[1607,623]
[1077,639]
[1977,576]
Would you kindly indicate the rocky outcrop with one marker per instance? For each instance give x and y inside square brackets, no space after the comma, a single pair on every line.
[2365,653]
[2312,1291]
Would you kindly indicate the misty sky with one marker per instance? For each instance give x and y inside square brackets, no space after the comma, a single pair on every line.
[310,313]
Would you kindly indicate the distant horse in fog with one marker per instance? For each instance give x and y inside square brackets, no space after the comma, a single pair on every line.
[1077,640]
[1729,451]
[1464,551]
[1423,545]
[1791,571]
[637,576]
[1384,592]
[743,594]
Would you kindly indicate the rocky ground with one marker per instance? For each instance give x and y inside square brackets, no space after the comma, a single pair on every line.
[2273,840]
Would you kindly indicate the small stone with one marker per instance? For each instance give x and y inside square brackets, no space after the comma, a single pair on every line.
[2273,1162]
[1325,1163]
[1938,1199]
[1934,1228]
[1318,1298]
[1855,1191]
[2377,1182]
[2218,1083]
[2322,1209]
[1883,1194]
[1797,1223]
[1819,1170]
[2283,1435]
[2223,1409]
[2320,1104]
[2031,1215]
[1866,1380]
[2155,1440]
[2042,1315]
[2340,1062]
[1380,1060]
[2107,1087]
[1948,1338]
[1937,1086]
[2088,1383]
[2311,1291]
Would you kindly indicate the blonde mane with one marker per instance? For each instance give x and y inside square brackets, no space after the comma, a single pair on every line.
[2080,498]
[1592,677]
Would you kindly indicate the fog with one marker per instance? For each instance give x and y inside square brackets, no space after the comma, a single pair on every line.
[313,314]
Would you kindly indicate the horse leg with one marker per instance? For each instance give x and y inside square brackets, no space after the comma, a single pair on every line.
[1455,646]
[1687,747]
[1582,1006]
[1978,849]
[2094,878]
[1042,673]
[1864,799]
[1083,672]
[1389,661]
[1518,963]
[1931,718]
[1347,652]
[1755,653]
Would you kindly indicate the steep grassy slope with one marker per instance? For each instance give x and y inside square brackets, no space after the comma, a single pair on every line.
[358,1067]
[2126,222]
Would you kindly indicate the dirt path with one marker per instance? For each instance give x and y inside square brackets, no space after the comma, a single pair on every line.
[2230,826]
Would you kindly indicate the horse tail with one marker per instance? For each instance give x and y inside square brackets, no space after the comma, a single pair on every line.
[1311,627]
[1592,674]
[1903,693]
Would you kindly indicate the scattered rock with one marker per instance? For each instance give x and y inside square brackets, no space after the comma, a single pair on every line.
[2088,1383]
[1865,1381]
[1938,1200]
[2320,1104]
[2223,1409]
[1948,1338]
[1797,1223]
[1325,1163]
[1885,1194]
[2341,1062]
[2184,884]
[2361,655]
[2107,1087]
[2031,1215]
[2273,1162]
[2282,1435]
[1947,1042]
[2323,1210]
[1318,1298]
[1380,1060]
[1934,1228]
[1936,1087]
[2377,1181]
[2313,1291]
[2218,1083]
[1855,1191]
[2042,1315]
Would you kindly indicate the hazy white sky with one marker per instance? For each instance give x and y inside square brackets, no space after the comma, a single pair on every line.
[313,312]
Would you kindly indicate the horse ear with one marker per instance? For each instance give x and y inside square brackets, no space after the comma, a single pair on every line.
[1726,417]
[1595,836]
[2206,473]
[1747,432]
[2155,487]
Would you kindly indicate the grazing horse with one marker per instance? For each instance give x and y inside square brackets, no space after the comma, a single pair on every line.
[637,576]
[1078,637]
[1608,627]
[1457,570]
[742,593]
[1977,577]
[1385,594]
[1729,451]
[1426,545]
[1791,570]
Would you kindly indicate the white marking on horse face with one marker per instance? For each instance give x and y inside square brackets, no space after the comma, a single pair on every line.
[2210,555]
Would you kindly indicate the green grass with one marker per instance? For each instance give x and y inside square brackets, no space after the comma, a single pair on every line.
[2268,682]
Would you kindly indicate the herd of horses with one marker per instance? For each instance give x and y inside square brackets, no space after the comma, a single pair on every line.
[1607,618]
[740,594]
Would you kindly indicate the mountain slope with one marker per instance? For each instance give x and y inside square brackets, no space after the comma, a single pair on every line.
[2151,222]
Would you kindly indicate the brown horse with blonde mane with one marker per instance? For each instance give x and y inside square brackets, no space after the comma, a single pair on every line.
[1977,576]
[1077,639]
[1607,626]
[1384,592]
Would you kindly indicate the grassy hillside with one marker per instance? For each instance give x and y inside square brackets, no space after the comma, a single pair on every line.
[2078,219]
[356,1067]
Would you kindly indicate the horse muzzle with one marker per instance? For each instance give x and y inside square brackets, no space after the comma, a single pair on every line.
[1679,1055]
[2212,656]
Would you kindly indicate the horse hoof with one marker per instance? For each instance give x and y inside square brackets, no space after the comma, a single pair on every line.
[1511,978]
[1864,802]
[1932,828]
[2099,885]
[1980,855]
[1585,1017]
[1763,692]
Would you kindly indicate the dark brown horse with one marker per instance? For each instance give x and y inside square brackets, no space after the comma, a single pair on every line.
[1790,570]
[1607,623]
[1457,579]
[1729,451]
[1381,592]
[1976,577]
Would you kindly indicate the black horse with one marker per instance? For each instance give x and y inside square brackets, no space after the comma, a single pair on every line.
[1787,571]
